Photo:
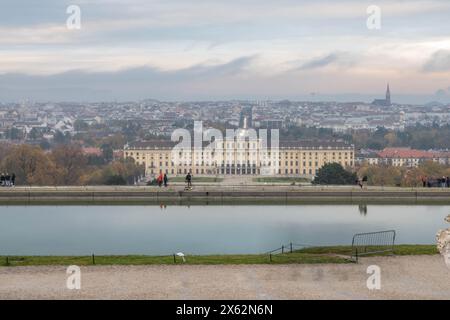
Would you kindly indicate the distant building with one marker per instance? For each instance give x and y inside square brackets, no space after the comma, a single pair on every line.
[271,124]
[246,115]
[403,157]
[241,157]
[384,102]
[92,151]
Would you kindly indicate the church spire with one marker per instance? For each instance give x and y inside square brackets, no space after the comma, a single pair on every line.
[388,95]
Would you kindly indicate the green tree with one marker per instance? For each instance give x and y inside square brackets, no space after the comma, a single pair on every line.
[80,125]
[61,138]
[14,134]
[35,134]
[335,174]
[108,152]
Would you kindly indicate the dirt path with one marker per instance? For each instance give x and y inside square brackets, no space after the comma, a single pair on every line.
[419,277]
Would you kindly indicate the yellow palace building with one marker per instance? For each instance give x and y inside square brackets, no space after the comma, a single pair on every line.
[240,157]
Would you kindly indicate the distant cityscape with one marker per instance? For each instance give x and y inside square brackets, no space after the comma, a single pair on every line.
[20,121]
[118,130]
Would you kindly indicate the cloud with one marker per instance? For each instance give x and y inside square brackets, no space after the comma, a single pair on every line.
[134,83]
[438,62]
[139,20]
[137,47]
[230,68]
[336,58]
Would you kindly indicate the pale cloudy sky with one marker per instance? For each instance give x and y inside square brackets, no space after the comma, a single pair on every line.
[207,49]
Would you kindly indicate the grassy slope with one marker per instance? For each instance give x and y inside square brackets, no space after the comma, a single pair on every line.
[401,250]
[309,255]
[281,180]
[196,179]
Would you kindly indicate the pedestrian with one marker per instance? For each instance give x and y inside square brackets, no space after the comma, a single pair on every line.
[364,181]
[359,182]
[160,179]
[165,180]
[447,180]
[189,180]
[7,179]
[13,179]
[2,180]
[444,182]
[424,182]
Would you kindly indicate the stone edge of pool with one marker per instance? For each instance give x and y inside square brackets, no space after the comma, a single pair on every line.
[219,195]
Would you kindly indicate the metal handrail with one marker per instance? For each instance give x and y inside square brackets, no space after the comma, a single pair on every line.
[289,248]
[385,239]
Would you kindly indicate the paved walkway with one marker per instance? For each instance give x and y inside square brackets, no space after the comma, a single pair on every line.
[419,277]
[237,180]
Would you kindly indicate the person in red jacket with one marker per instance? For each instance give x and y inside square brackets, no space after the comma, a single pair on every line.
[160,179]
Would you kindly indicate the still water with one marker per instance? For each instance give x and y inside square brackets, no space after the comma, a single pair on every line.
[80,230]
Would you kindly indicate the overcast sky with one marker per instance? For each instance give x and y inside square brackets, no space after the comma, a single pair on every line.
[206,49]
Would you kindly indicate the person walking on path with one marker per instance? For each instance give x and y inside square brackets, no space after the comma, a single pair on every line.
[165,180]
[189,180]
[13,179]
[160,180]
[359,182]
[7,179]
[424,182]
[2,180]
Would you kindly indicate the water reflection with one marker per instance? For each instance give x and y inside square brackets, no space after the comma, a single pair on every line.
[200,229]
[362,209]
[162,206]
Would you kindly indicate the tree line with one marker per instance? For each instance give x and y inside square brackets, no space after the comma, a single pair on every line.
[64,165]
[383,175]
[417,137]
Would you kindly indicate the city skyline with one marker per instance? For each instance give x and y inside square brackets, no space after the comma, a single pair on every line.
[299,50]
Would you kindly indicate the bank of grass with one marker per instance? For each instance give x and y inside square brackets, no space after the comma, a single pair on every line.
[400,250]
[317,255]
[196,179]
[169,260]
[281,180]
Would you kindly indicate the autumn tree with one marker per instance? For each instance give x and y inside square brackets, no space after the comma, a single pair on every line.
[5,149]
[382,175]
[30,165]
[70,163]
[116,173]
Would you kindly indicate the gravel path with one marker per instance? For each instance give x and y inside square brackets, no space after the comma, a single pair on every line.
[418,277]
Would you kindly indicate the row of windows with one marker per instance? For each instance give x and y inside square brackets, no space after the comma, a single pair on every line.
[285,155]
[287,163]
[235,171]
[239,155]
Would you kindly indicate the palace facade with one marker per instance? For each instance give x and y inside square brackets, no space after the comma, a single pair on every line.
[240,157]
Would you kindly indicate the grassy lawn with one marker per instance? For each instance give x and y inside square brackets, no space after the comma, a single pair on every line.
[162,260]
[401,250]
[196,179]
[281,180]
[303,256]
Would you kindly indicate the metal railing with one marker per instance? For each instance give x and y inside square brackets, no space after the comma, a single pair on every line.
[372,242]
[289,248]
